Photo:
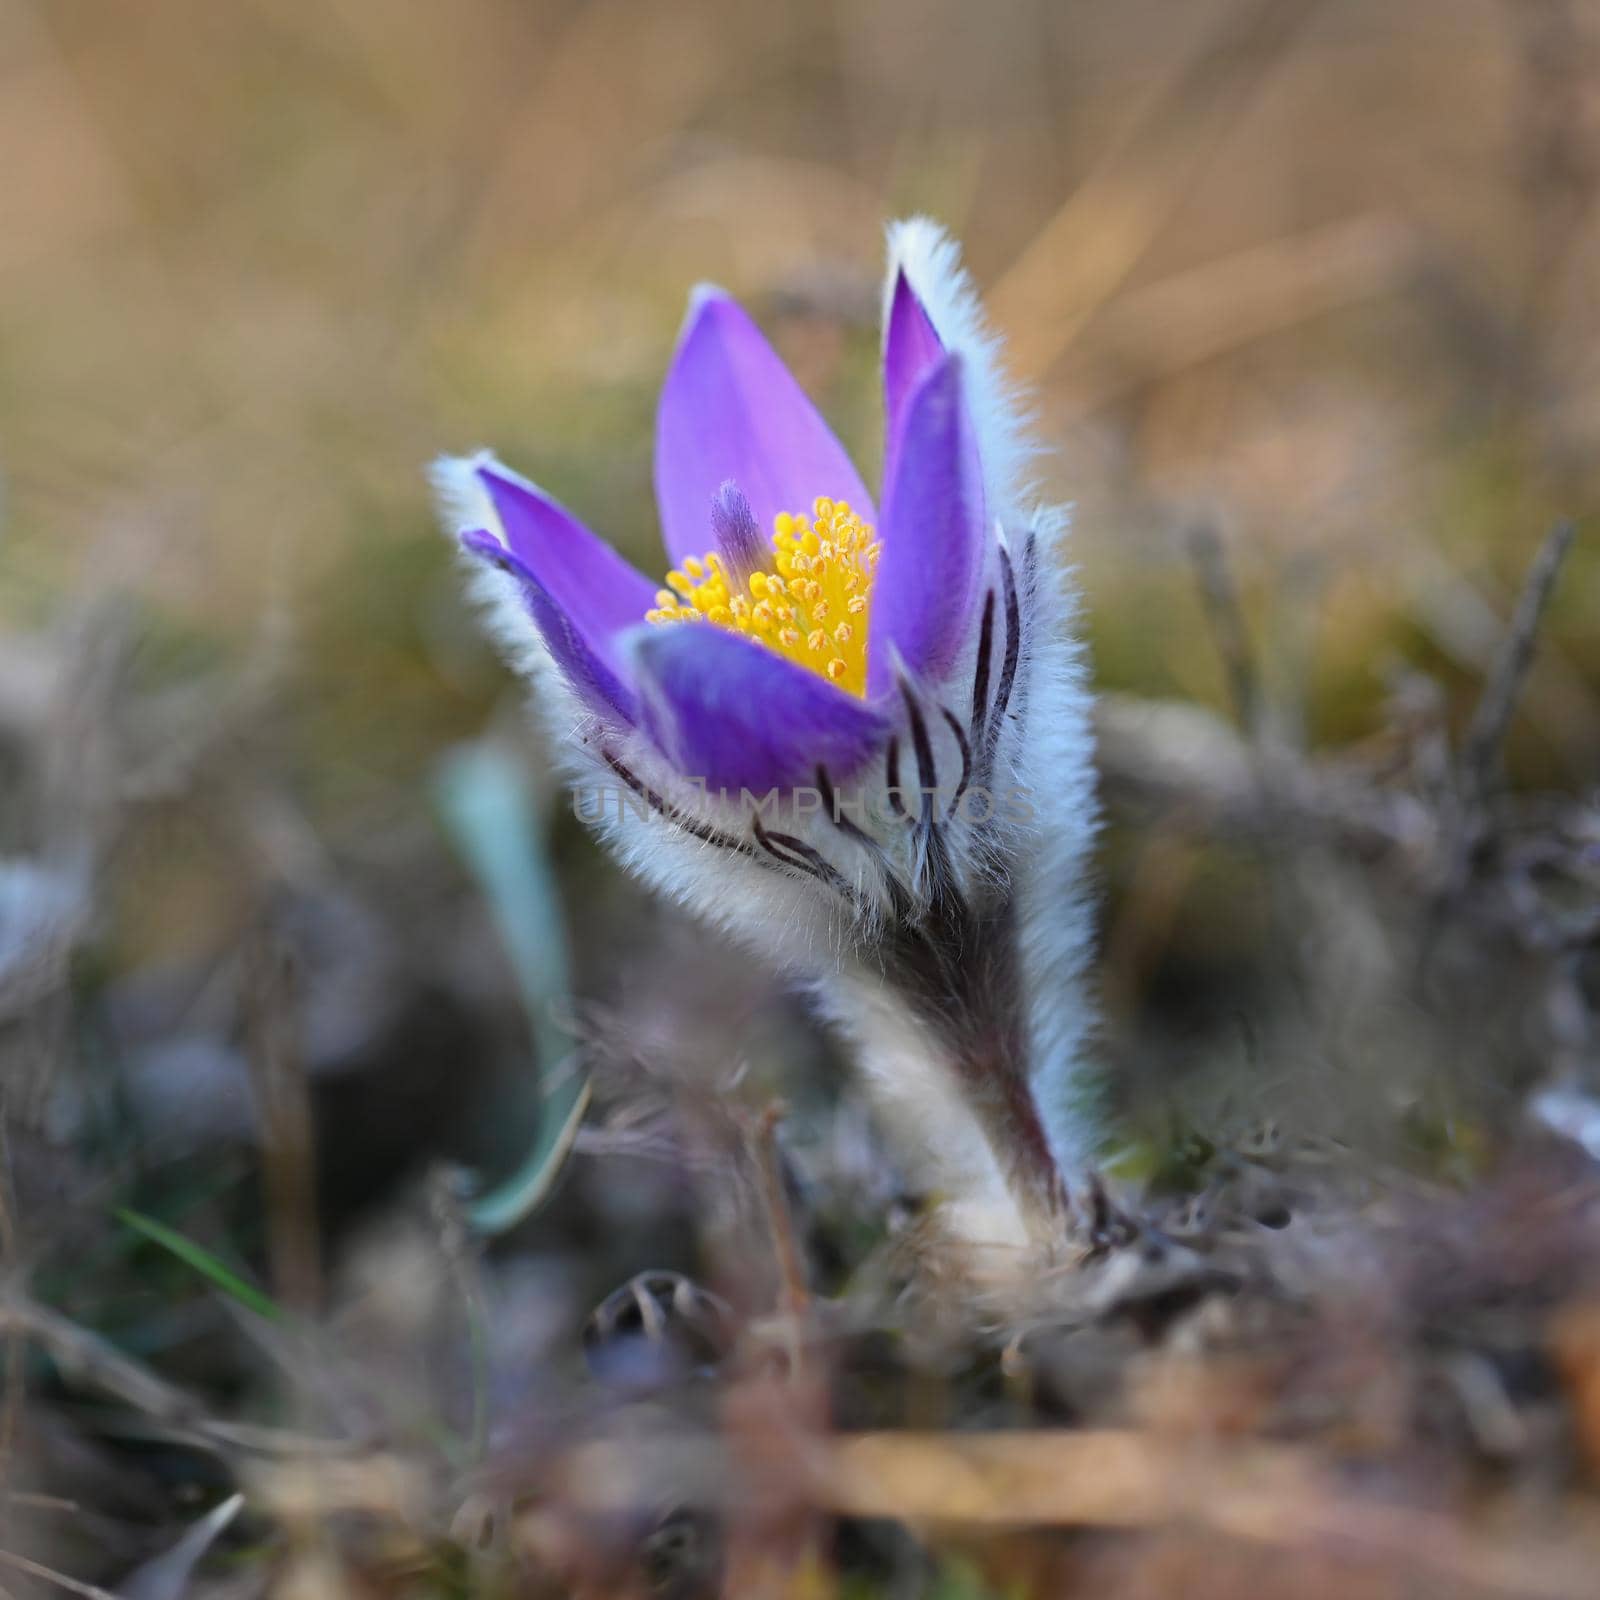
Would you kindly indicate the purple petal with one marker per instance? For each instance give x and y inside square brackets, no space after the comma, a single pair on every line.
[728,710]
[600,592]
[911,350]
[933,536]
[591,677]
[730,409]
[738,537]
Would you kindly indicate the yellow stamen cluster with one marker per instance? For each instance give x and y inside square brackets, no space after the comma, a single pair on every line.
[812,607]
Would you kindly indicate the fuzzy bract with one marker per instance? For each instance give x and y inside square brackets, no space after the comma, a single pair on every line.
[852,733]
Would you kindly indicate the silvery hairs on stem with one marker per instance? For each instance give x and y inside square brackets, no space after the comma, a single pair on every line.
[855,738]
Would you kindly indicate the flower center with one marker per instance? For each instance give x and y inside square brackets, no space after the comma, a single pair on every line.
[812,606]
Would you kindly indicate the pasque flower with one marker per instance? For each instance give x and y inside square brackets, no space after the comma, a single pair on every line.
[853,732]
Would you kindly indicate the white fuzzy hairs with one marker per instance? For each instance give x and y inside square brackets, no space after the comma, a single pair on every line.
[931,261]
[1043,748]
[1054,760]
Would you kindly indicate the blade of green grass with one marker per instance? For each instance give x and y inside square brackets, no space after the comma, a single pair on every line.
[202,1261]
[493,818]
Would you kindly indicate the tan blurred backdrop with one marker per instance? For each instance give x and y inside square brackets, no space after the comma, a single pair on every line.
[1321,276]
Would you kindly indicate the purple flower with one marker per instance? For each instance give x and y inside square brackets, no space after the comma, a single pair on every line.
[854,734]
[792,612]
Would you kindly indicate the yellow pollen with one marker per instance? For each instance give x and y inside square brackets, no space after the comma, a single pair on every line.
[821,568]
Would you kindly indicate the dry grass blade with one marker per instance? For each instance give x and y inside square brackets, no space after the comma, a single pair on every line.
[1158,330]
[768,1161]
[1081,258]
[1480,757]
[284,1106]
[37,1569]
[1274,1495]
[89,1359]
[1225,612]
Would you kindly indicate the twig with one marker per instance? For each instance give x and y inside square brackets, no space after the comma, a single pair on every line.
[1191,763]
[284,1106]
[1480,754]
[11,1405]
[795,1296]
[1220,596]
[462,1260]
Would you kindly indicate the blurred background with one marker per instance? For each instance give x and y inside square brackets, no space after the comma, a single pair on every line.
[1306,294]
